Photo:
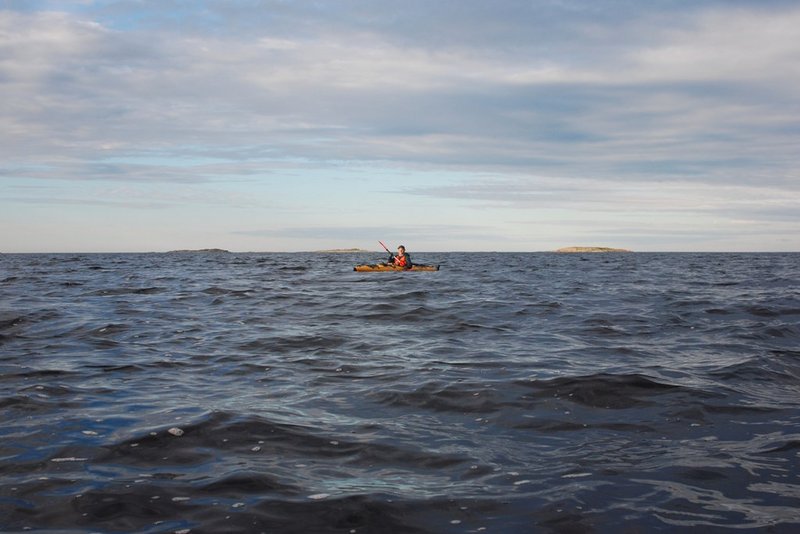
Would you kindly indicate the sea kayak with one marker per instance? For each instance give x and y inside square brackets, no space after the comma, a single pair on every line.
[380,267]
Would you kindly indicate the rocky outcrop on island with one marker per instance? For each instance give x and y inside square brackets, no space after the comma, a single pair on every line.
[201,250]
[581,250]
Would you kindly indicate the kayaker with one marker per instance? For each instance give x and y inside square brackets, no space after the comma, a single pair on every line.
[401,259]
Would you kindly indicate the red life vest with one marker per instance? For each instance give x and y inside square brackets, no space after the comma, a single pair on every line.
[400,261]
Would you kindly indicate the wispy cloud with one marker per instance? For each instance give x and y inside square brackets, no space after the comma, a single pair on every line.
[344,234]
[681,99]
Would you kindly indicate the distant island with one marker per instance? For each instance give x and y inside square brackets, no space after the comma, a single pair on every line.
[574,250]
[204,250]
[342,251]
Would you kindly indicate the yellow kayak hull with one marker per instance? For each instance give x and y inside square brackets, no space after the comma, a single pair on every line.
[382,267]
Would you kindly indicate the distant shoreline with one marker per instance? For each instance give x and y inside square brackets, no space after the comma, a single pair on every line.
[341,251]
[203,250]
[593,250]
[362,251]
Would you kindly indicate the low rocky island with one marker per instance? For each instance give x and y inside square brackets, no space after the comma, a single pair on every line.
[581,250]
[202,251]
[341,251]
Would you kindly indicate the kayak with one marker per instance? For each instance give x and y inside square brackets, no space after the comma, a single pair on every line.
[381,267]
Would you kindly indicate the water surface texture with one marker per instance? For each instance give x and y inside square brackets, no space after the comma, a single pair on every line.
[505,393]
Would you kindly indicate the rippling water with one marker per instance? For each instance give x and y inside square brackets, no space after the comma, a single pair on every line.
[504,393]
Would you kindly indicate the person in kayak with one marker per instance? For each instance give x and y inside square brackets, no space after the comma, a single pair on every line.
[401,259]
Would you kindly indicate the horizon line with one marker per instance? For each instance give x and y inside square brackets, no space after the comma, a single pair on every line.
[381,252]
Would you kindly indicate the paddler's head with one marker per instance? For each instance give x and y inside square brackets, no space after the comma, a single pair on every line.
[401,249]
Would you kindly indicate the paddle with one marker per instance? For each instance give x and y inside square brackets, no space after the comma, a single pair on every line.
[387,250]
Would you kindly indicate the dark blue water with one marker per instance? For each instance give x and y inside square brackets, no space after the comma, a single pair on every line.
[504,393]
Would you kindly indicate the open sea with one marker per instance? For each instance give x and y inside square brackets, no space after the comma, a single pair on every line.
[506,393]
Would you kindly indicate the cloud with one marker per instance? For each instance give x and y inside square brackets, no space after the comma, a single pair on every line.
[128,196]
[735,45]
[408,232]
[605,106]
[681,102]
[679,196]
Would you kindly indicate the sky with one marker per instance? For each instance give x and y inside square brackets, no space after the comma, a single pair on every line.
[447,125]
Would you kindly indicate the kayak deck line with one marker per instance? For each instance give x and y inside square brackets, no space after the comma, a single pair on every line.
[382,267]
